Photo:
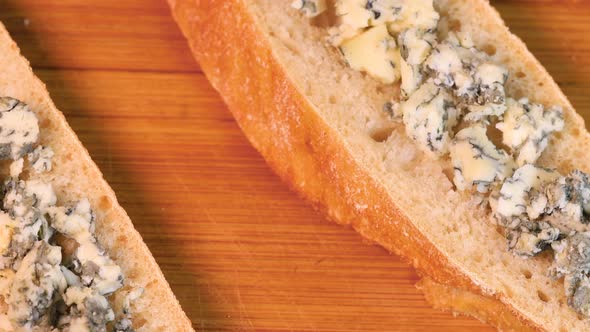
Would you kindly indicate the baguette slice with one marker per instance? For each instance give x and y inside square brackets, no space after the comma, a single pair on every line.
[320,126]
[74,175]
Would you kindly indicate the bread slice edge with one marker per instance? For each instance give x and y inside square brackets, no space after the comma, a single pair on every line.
[75,176]
[464,302]
[307,162]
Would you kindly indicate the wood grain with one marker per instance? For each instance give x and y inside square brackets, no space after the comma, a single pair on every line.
[240,251]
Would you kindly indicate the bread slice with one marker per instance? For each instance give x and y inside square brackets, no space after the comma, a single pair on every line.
[320,126]
[74,176]
[459,301]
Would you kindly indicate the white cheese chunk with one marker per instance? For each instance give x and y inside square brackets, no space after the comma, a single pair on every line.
[514,198]
[529,240]
[384,11]
[16,167]
[490,96]
[19,128]
[477,161]
[356,15]
[77,223]
[488,74]
[22,206]
[415,45]
[444,62]
[526,128]
[40,159]
[460,38]
[36,283]
[429,116]
[6,230]
[6,278]
[567,201]
[482,112]
[310,8]
[478,83]
[416,14]
[93,310]
[374,52]
[42,193]
[411,78]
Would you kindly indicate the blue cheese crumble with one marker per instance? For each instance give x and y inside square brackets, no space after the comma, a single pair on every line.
[310,8]
[375,52]
[415,46]
[451,95]
[477,162]
[54,275]
[18,128]
[428,116]
[36,286]
[526,128]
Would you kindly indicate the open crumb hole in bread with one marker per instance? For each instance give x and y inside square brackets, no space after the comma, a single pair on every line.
[139,321]
[575,132]
[381,134]
[542,296]
[478,258]
[495,135]
[489,49]
[449,173]
[454,25]
[500,230]
[526,273]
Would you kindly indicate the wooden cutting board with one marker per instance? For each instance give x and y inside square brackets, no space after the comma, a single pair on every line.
[240,250]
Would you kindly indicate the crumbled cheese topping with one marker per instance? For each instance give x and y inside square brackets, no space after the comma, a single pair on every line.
[19,130]
[477,83]
[477,162]
[45,290]
[428,115]
[16,167]
[515,195]
[40,159]
[526,128]
[89,311]
[446,84]
[96,268]
[356,15]
[37,285]
[373,51]
[310,8]
[414,13]
[415,47]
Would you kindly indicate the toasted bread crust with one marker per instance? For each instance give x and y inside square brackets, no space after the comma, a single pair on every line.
[74,176]
[459,301]
[313,159]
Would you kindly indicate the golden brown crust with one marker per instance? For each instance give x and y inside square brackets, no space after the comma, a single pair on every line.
[313,159]
[75,175]
[459,301]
